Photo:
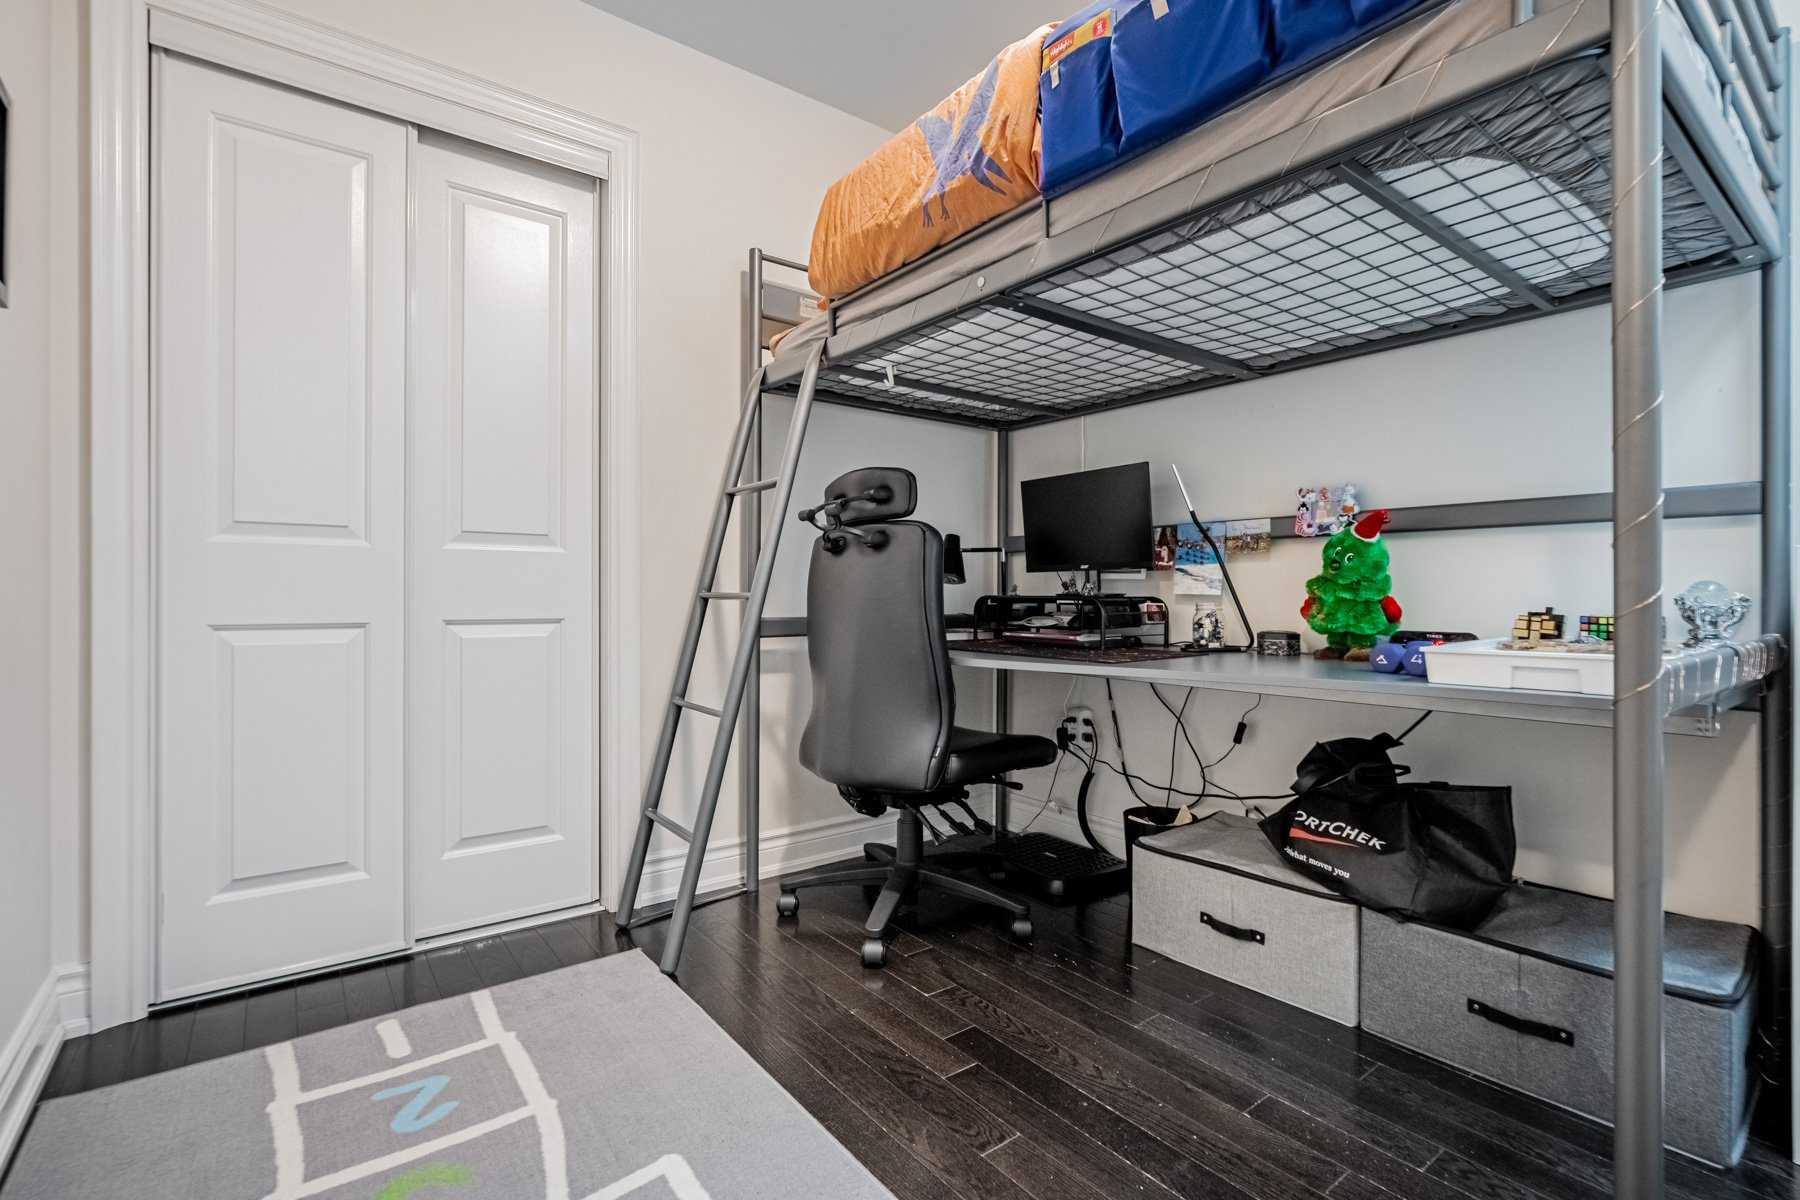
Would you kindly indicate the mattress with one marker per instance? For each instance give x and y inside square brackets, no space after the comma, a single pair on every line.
[971,158]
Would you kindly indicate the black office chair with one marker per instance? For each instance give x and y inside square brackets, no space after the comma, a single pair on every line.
[883,725]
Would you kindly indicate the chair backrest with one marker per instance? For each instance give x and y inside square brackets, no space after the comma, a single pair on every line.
[882,699]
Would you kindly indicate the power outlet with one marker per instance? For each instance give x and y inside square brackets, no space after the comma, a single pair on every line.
[1077,726]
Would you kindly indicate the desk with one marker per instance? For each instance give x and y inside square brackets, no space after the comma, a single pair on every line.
[1698,684]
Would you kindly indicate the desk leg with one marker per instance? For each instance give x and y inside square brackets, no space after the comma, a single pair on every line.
[1002,724]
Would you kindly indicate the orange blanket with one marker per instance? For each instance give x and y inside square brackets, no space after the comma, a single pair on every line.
[966,161]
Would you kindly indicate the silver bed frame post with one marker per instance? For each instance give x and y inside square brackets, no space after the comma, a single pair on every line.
[1637,596]
[750,726]
[1003,679]
[1776,729]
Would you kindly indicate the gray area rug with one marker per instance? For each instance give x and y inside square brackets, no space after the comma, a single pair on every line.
[602,1081]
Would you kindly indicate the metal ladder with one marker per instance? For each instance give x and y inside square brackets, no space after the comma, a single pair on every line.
[726,714]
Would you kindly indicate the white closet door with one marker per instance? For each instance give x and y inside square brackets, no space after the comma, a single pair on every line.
[280,293]
[501,607]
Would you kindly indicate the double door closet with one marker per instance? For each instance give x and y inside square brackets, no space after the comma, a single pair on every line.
[374,359]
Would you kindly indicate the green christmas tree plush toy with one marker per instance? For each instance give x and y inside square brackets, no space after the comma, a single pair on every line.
[1348,600]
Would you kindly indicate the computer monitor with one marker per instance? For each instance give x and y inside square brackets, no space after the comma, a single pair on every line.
[1094,520]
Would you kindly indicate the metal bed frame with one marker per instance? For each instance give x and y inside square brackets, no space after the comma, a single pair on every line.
[1420,230]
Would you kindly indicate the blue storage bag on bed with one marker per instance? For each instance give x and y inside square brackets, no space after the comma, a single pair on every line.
[1177,63]
[1302,30]
[1077,112]
[1119,78]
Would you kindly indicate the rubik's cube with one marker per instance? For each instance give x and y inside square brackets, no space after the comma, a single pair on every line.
[1545,626]
[1597,627]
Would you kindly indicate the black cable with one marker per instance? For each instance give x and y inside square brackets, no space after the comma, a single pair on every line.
[1112,706]
[1402,736]
[1097,761]
[1237,738]
[1181,727]
[1081,817]
[1207,786]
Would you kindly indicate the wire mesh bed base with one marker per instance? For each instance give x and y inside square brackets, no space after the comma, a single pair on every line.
[1490,213]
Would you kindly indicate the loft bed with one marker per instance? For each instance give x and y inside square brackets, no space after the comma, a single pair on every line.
[1483,162]
[1450,174]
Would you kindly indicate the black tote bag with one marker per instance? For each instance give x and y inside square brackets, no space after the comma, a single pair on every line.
[1438,852]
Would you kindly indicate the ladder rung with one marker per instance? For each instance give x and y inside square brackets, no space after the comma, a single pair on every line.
[699,708]
[673,826]
[761,485]
[724,595]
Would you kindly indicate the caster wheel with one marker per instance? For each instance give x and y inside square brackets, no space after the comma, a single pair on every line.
[1021,929]
[787,904]
[874,952]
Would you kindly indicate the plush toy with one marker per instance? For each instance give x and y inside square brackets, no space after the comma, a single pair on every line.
[1348,600]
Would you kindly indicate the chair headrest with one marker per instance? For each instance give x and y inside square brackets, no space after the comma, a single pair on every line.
[871,494]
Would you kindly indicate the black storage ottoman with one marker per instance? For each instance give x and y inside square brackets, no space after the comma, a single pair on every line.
[1215,895]
[1526,999]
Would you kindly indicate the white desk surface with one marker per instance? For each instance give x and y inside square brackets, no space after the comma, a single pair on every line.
[1309,678]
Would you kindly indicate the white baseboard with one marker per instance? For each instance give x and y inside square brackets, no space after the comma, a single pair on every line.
[792,849]
[25,1061]
[72,999]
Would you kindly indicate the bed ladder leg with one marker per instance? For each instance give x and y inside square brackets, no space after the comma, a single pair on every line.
[725,716]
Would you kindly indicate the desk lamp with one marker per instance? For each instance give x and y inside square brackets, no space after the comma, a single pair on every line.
[1224,571]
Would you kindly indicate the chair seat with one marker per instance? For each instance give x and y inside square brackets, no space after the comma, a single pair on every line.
[977,754]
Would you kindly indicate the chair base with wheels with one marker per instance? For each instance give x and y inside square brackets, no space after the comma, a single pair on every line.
[901,870]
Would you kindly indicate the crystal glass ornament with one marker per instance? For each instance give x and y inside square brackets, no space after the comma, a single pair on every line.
[1710,610]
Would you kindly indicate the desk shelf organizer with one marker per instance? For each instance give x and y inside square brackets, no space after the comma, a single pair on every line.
[1482,163]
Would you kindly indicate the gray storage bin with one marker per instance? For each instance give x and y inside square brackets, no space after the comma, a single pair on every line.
[1215,896]
[1526,999]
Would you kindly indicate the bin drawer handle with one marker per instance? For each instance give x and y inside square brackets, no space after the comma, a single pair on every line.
[1550,1033]
[1231,931]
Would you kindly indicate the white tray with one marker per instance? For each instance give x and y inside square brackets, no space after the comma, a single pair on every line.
[1482,664]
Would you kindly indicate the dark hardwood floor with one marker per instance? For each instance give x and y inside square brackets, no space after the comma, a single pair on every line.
[1078,1068]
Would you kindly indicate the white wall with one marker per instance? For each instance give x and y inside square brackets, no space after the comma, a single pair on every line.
[727,161]
[1515,412]
[38,678]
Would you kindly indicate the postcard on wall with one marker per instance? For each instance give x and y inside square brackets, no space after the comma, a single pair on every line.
[1247,537]
[1199,579]
[1191,548]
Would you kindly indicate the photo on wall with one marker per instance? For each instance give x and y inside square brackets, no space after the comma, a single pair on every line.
[1325,510]
[1162,548]
[1247,537]
[1196,567]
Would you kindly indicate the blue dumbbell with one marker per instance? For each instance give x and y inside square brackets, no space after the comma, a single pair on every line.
[1412,658]
[1386,656]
